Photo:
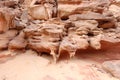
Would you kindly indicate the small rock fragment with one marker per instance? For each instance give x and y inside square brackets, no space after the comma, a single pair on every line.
[112,67]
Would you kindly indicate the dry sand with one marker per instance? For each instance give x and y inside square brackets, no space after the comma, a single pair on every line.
[29,66]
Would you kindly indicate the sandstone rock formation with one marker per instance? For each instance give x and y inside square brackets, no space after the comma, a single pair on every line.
[63,28]
[50,26]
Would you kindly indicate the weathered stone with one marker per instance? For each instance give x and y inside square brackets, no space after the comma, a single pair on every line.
[112,67]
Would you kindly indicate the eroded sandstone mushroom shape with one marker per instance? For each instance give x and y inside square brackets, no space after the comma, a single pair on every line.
[45,38]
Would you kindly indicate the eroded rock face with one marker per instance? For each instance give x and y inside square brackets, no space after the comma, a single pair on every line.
[6,19]
[3,23]
[41,27]
[46,38]
[19,42]
[6,37]
[44,9]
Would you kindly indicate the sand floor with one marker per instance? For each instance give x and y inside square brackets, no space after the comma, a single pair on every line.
[29,66]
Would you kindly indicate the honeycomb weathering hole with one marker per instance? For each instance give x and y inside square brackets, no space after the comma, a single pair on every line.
[64,55]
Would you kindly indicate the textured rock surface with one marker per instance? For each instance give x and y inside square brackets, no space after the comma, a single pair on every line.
[89,29]
[112,67]
[41,28]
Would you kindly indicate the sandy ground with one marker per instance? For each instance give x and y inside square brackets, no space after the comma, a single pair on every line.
[29,66]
